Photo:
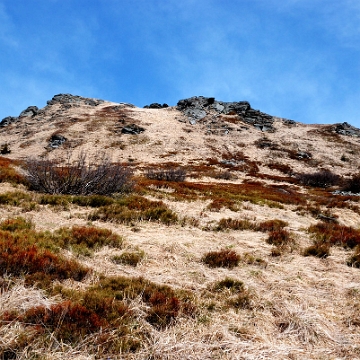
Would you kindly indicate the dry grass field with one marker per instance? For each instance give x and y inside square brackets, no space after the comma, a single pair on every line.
[215,246]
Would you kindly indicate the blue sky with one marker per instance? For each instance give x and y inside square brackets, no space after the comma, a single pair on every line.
[297,59]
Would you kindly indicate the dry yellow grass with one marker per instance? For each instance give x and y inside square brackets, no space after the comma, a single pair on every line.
[301,307]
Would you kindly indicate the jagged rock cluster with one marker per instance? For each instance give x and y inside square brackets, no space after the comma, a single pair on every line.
[156,106]
[66,100]
[73,100]
[198,107]
[347,129]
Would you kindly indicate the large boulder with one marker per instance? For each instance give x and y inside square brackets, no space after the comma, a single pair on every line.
[29,111]
[198,107]
[132,129]
[56,140]
[73,100]
[8,120]
[347,129]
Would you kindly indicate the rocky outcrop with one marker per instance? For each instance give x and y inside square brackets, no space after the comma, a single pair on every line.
[8,120]
[347,129]
[56,140]
[132,129]
[30,111]
[68,99]
[156,106]
[198,107]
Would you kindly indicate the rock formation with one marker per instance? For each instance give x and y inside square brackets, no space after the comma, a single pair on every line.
[198,107]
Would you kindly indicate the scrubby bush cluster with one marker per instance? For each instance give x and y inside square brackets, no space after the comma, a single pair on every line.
[84,239]
[335,234]
[25,252]
[81,176]
[322,178]
[327,234]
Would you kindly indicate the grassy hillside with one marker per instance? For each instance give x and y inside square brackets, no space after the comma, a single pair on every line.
[236,246]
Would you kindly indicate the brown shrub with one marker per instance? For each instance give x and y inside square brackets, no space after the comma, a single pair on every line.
[228,283]
[322,178]
[219,203]
[279,237]
[335,234]
[165,304]
[79,176]
[235,224]
[223,258]
[271,225]
[285,169]
[87,236]
[318,249]
[19,258]
[8,172]
[353,184]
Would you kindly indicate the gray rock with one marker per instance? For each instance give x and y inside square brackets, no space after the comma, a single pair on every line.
[132,129]
[347,129]
[288,122]
[303,155]
[156,106]
[8,120]
[56,140]
[198,107]
[196,114]
[218,107]
[29,111]
[73,100]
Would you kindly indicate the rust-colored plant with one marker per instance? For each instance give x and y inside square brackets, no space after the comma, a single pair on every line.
[279,237]
[223,258]
[335,234]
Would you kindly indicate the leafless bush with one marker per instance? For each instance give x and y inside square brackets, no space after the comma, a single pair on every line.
[322,178]
[353,184]
[78,177]
[170,174]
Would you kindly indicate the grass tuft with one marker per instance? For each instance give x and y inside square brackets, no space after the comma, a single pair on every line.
[129,258]
[223,258]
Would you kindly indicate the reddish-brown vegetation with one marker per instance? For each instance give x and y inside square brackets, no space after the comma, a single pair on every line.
[8,172]
[335,234]
[223,258]
[279,237]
